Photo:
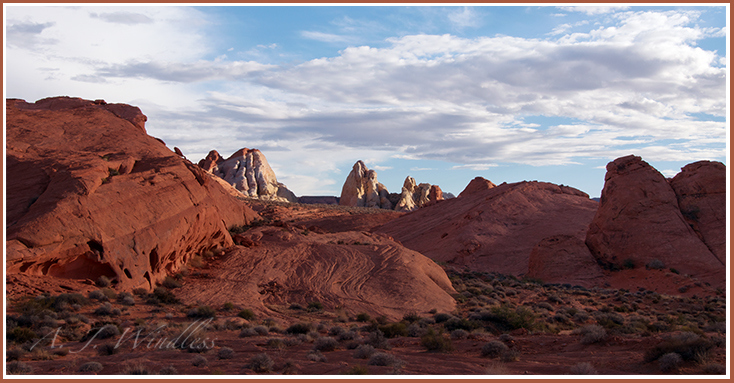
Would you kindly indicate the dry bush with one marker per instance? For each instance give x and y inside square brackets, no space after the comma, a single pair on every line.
[584,368]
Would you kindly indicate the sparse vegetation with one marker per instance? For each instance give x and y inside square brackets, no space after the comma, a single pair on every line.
[584,368]
[261,363]
[493,349]
[94,367]
[436,342]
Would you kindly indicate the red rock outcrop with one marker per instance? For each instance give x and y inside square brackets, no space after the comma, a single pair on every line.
[414,196]
[564,259]
[700,188]
[639,221]
[248,171]
[494,229]
[90,194]
[358,271]
[478,184]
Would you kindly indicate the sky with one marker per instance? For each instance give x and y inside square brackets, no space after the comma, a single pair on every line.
[440,93]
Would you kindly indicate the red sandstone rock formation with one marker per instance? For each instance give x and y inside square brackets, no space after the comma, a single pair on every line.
[248,171]
[564,259]
[362,189]
[700,188]
[639,221]
[358,271]
[89,193]
[494,229]
[478,184]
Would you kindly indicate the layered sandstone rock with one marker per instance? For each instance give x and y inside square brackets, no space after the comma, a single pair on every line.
[564,259]
[700,188]
[89,193]
[249,172]
[478,184]
[494,229]
[357,271]
[362,189]
[639,220]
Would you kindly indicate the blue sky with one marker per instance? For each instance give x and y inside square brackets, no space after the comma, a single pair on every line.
[443,94]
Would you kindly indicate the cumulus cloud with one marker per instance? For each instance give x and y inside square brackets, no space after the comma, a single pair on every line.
[464,18]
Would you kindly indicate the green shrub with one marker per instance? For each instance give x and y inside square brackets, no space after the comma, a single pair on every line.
[493,349]
[22,335]
[363,317]
[591,334]
[246,314]
[383,359]
[202,312]
[394,330]
[163,295]
[314,307]
[436,342]
[505,318]
[170,283]
[411,317]
[299,328]
[688,345]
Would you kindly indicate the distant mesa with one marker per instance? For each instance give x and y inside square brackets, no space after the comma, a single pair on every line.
[248,172]
[361,189]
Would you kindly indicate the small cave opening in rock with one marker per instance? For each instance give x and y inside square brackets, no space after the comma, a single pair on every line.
[96,247]
[80,267]
[154,259]
[127,273]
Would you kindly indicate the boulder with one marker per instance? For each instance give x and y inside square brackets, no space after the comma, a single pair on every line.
[700,188]
[249,172]
[89,193]
[639,221]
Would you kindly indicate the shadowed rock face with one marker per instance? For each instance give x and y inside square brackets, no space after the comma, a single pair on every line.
[494,229]
[90,193]
[700,188]
[248,171]
[639,220]
[564,259]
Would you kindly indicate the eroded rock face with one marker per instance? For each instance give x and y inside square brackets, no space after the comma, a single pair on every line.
[478,184]
[90,193]
[249,172]
[362,189]
[415,196]
[639,221]
[379,276]
[494,229]
[564,259]
[700,188]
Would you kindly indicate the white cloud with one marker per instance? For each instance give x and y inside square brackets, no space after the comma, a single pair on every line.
[464,18]
[381,168]
[128,18]
[325,37]
[594,10]
[475,166]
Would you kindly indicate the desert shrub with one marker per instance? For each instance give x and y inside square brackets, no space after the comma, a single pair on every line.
[493,349]
[91,367]
[170,370]
[364,351]
[69,299]
[292,342]
[510,355]
[442,317]
[544,305]
[248,332]
[170,283]
[505,318]
[436,342]
[64,351]
[163,295]
[97,295]
[363,317]
[609,319]
[580,317]
[377,340]
[506,338]
[591,334]
[688,345]
[336,330]
[314,307]
[584,368]
[137,369]
[128,301]
[655,264]
[275,343]
[22,335]
[18,368]
[199,361]
[415,330]
[459,334]
[383,359]
[714,369]
[299,328]
[14,354]
[459,323]
[348,335]
[316,356]
[669,362]
[261,363]
[103,281]
[225,353]
[357,370]
[107,349]
[496,368]
[394,330]
[246,314]
[411,317]
[325,344]
[202,312]
[628,263]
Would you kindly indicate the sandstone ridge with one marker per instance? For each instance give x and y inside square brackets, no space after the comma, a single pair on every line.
[91,194]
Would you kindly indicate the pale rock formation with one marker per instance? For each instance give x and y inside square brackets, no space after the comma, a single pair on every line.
[249,172]
[362,189]
[415,196]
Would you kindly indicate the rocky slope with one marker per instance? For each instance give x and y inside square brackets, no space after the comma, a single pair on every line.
[248,171]
[639,221]
[89,193]
[494,228]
